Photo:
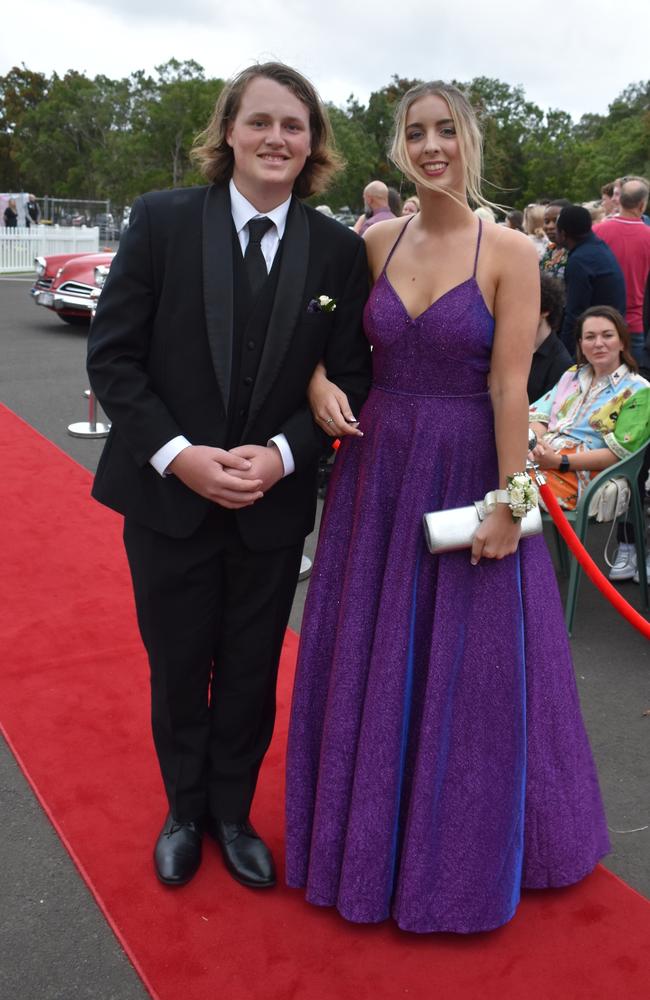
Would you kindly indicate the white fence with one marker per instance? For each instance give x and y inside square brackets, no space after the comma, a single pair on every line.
[18,247]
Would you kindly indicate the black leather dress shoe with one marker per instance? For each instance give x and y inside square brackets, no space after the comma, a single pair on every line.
[247,857]
[177,854]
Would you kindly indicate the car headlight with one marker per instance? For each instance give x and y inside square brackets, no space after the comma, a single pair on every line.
[41,265]
[100,274]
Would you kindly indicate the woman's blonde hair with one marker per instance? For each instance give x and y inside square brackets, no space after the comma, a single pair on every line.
[470,140]
[413,198]
[534,220]
[215,158]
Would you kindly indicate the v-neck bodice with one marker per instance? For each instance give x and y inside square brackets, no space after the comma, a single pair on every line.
[445,351]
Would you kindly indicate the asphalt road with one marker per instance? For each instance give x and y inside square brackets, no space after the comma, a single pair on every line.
[54,942]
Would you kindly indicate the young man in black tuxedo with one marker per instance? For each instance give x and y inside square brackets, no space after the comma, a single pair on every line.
[207,333]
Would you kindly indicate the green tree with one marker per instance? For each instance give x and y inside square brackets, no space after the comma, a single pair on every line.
[551,154]
[506,118]
[378,118]
[21,90]
[359,150]
[178,109]
[102,138]
[62,136]
[616,144]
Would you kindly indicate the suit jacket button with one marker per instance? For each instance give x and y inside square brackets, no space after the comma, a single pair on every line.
[251,345]
[248,380]
[242,412]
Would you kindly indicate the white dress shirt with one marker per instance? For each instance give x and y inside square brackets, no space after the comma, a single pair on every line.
[242,213]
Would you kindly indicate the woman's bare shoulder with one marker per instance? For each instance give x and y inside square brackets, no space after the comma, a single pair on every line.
[509,247]
[380,239]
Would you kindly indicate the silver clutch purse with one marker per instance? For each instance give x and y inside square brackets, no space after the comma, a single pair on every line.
[450,530]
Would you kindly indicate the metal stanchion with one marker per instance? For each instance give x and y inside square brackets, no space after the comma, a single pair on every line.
[91,428]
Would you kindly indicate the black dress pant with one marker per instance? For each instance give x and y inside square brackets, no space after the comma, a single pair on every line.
[212,615]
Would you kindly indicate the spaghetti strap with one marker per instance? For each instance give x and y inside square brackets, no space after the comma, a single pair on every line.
[395,245]
[478,246]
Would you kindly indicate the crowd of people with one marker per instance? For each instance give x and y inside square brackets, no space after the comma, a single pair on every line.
[437,761]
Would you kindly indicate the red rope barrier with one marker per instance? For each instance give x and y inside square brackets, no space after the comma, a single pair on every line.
[589,566]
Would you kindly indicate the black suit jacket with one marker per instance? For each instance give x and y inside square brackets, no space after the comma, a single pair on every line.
[160,356]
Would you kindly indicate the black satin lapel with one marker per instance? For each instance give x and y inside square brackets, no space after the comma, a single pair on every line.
[288,297]
[218,283]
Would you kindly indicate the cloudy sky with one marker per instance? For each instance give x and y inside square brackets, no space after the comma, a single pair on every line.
[570,55]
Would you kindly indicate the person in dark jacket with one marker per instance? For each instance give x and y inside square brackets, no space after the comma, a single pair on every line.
[11,215]
[32,211]
[219,305]
[551,358]
[593,276]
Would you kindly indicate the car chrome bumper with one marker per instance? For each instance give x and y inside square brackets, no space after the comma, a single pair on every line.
[65,300]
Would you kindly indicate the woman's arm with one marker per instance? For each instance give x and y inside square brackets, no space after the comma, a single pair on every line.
[516,314]
[594,460]
[329,405]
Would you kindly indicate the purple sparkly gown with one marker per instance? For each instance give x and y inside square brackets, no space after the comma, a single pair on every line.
[437,759]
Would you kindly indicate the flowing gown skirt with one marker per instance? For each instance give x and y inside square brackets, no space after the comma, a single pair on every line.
[437,759]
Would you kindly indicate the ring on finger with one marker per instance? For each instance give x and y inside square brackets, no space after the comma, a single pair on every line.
[330,420]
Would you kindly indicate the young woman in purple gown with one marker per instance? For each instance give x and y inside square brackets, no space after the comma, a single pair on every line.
[437,759]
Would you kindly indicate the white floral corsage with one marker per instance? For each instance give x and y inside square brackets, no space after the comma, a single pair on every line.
[522,494]
[322,304]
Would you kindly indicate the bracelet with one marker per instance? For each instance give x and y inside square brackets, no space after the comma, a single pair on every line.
[520,496]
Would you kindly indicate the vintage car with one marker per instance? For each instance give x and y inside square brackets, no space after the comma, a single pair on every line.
[70,283]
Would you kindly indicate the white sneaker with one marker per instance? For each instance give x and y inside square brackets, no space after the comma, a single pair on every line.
[647,570]
[624,566]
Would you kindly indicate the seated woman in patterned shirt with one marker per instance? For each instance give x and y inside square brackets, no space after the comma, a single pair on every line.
[599,411]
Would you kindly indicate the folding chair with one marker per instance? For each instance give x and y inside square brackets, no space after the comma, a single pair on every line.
[628,468]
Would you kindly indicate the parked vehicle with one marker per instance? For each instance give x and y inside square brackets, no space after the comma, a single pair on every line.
[70,283]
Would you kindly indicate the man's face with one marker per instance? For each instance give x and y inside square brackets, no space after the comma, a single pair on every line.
[550,218]
[270,140]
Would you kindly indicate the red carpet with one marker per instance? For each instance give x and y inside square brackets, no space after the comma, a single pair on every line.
[74,708]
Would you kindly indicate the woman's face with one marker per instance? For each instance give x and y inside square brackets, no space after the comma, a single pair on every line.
[432,143]
[608,204]
[601,344]
[550,218]
[409,208]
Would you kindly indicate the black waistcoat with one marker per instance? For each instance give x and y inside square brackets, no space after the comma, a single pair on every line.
[250,322]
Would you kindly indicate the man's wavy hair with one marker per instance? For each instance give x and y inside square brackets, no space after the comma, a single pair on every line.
[215,158]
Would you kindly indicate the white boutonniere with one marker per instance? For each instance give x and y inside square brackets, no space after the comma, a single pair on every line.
[322,304]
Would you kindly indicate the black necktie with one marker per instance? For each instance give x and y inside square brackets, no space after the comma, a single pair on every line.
[254,258]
